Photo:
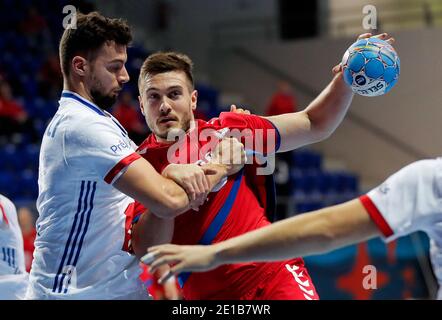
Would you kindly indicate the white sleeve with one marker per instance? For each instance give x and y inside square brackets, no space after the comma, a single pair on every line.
[408,201]
[99,146]
[7,210]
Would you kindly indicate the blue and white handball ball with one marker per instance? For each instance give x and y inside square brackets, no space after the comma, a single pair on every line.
[371,67]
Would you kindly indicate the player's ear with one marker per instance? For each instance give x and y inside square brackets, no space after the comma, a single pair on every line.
[79,65]
[194,99]
[140,100]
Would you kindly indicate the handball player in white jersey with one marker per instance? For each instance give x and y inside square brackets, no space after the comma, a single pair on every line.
[89,176]
[13,275]
[408,201]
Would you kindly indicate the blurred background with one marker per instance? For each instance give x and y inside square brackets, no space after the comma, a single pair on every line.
[269,56]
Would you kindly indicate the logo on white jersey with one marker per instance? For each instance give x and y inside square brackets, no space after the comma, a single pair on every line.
[120,146]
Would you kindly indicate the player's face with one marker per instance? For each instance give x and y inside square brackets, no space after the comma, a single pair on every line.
[167,102]
[107,74]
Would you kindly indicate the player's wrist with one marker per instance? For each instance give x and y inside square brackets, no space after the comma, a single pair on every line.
[220,253]
[221,169]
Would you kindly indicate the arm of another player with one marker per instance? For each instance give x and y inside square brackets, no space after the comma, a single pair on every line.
[161,195]
[152,229]
[322,116]
[316,232]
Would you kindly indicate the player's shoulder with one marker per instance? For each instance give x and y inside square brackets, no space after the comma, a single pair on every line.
[425,167]
[79,120]
[7,204]
[228,118]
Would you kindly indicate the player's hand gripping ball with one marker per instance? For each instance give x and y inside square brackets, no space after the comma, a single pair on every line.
[371,67]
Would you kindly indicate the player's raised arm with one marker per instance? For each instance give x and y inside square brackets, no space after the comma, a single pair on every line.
[321,117]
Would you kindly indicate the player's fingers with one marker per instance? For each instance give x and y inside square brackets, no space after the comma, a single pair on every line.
[382,36]
[162,261]
[148,258]
[364,36]
[391,40]
[160,247]
[166,277]
[232,108]
[191,193]
[337,68]
[189,187]
[243,157]
[203,189]
[173,271]
[156,252]
[205,182]
[196,186]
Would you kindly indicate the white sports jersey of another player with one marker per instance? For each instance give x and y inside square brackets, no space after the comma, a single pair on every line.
[81,226]
[13,276]
[409,201]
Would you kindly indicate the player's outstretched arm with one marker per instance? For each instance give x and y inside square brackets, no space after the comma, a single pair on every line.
[316,232]
[322,116]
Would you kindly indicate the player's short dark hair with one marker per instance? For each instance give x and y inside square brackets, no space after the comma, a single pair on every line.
[162,62]
[91,32]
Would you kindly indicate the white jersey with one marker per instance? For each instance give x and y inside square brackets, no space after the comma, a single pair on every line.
[409,201]
[13,276]
[81,226]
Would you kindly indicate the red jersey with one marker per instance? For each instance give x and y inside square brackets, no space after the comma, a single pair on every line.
[243,199]
[28,246]
[281,103]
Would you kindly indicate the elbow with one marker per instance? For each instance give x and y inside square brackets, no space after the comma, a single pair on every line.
[320,134]
[322,127]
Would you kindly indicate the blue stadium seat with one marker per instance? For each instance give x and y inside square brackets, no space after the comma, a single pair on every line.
[8,184]
[29,184]
[308,206]
[307,159]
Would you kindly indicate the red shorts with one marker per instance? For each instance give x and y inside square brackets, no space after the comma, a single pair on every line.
[290,282]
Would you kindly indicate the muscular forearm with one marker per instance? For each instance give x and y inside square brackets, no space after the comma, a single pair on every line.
[151,230]
[329,108]
[318,120]
[306,234]
[161,195]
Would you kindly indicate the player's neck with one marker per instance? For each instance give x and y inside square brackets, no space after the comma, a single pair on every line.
[78,89]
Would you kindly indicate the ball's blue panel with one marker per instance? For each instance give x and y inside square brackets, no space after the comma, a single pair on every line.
[389,53]
[370,54]
[378,41]
[374,69]
[348,77]
[359,43]
[356,62]
[390,74]
[387,58]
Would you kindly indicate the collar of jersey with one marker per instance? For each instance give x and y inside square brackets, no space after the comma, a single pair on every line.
[83,101]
